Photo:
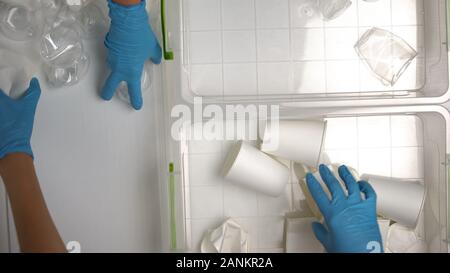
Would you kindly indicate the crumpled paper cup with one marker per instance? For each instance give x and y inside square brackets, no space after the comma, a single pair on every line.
[401,239]
[227,238]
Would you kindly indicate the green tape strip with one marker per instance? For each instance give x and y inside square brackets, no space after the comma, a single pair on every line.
[173,224]
[168,55]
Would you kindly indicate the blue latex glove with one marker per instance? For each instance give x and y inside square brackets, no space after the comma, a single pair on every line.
[130,42]
[351,220]
[17,119]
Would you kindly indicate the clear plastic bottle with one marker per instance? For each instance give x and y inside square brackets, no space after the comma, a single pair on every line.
[61,46]
[89,20]
[49,9]
[58,76]
[92,21]
[18,22]
[65,60]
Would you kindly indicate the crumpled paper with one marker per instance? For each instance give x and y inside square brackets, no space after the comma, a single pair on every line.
[401,239]
[227,238]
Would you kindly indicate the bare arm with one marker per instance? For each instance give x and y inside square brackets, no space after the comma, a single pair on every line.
[35,227]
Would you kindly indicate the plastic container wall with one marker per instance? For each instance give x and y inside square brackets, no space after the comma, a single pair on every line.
[213,62]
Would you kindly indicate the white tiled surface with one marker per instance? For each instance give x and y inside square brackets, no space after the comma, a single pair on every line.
[273,78]
[273,45]
[308,51]
[345,75]
[382,145]
[241,18]
[205,55]
[306,78]
[204,14]
[239,46]
[339,43]
[276,40]
[239,202]
[376,13]
[204,79]
[272,13]
[239,77]
[206,201]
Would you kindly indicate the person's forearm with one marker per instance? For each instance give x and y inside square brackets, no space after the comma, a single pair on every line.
[127,2]
[35,228]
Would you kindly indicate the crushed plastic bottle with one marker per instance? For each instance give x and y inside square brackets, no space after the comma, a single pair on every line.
[77,5]
[18,22]
[61,46]
[58,76]
[65,60]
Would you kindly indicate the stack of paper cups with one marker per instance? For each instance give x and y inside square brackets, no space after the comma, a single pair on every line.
[398,200]
[299,141]
[249,167]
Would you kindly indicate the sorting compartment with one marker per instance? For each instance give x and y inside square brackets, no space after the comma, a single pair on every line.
[406,142]
[281,50]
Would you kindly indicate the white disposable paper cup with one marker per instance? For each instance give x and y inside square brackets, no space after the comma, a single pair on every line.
[249,167]
[398,200]
[299,141]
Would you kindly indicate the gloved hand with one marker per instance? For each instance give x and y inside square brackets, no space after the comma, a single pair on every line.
[17,119]
[351,220]
[130,42]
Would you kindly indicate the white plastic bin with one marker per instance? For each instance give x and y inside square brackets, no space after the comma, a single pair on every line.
[407,142]
[276,51]
[412,138]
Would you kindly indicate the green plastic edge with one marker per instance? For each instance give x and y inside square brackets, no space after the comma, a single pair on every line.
[173,223]
[168,55]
